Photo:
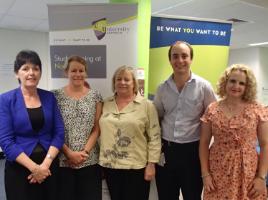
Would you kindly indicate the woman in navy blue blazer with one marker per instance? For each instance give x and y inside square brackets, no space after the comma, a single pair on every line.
[31,134]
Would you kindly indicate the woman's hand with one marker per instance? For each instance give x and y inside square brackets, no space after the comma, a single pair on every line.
[149,171]
[257,187]
[76,158]
[209,184]
[39,174]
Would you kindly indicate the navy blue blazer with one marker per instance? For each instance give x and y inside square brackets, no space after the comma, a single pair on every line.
[16,133]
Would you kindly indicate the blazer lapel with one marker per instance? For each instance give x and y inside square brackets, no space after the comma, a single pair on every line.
[21,110]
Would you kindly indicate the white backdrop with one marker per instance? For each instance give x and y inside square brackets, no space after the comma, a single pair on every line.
[73,25]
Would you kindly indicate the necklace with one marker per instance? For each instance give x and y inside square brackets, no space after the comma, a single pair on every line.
[233,109]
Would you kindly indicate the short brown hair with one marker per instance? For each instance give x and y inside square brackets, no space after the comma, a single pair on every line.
[77,59]
[181,42]
[250,93]
[125,68]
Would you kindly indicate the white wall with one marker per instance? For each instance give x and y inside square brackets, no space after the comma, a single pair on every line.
[264,74]
[256,58]
[11,42]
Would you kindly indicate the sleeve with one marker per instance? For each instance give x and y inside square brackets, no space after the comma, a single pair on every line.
[98,97]
[7,134]
[209,95]
[262,113]
[58,136]
[207,116]
[158,102]
[153,134]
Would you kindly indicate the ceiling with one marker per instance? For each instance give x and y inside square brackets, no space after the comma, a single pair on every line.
[32,15]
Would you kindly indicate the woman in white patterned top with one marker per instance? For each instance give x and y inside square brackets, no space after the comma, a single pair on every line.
[80,108]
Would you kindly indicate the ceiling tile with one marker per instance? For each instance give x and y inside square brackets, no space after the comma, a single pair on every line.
[32,14]
[29,8]
[19,23]
[42,26]
[5,5]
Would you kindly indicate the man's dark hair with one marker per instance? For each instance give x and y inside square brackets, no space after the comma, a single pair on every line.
[181,42]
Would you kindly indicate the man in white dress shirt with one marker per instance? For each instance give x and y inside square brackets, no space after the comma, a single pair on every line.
[181,100]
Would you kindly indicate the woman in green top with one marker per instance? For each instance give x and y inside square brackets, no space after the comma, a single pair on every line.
[130,139]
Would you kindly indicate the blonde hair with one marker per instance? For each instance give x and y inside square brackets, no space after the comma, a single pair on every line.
[125,68]
[250,93]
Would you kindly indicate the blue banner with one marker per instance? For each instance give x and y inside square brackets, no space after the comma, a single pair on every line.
[165,31]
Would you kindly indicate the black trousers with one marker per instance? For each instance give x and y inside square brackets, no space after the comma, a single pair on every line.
[181,171]
[17,185]
[127,184]
[81,184]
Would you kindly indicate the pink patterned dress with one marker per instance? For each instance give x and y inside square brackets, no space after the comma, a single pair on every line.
[232,157]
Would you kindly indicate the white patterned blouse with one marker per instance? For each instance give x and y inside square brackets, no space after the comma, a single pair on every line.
[78,116]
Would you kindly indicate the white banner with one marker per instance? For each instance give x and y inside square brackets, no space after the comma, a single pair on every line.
[104,34]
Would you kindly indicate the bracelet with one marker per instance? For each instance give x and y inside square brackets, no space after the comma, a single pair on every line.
[261,177]
[205,175]
[50,157]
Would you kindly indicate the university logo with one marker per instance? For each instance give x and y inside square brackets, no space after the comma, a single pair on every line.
[99,27]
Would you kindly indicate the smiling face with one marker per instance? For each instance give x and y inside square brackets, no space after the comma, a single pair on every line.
[76,73]
[29,75]
[124,83]
[236,84]
[180,59]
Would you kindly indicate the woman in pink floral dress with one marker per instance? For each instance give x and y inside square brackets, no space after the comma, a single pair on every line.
[231,169]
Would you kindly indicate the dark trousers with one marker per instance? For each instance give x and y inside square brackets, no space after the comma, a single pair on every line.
[127,184]
[181,171]
[17,185]
[81,184]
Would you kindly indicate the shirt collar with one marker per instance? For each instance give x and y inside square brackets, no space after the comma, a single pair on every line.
[137,99]
[193,78]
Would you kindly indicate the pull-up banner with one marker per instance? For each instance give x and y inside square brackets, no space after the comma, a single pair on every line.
[105,35]
[210,41]
[194,32]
